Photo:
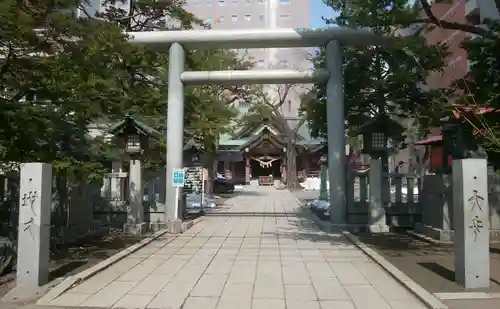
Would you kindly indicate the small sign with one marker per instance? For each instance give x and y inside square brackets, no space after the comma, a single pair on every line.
[194,179]
[178,178]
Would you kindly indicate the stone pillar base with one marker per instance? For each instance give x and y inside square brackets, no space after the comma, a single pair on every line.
[136,229]
[157,226]
[336,228]
[378,228]
[433,232]
[174,226]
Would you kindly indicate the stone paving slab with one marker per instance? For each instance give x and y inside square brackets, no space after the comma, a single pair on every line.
[246,262]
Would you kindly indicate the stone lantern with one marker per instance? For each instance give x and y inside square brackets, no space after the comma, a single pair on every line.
[378,142]
[135,137]
[376,136]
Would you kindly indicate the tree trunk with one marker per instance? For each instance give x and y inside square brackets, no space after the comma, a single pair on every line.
[291,163]
[209,184]
[209,165]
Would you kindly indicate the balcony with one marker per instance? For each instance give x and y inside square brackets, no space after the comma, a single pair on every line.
[472,8]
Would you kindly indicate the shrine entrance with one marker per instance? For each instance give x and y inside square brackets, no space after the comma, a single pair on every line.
[265,166]
[331,38]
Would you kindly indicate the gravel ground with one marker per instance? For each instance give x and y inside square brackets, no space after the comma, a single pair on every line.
[428,264]
[70,260]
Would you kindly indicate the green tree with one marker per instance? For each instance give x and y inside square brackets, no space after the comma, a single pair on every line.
[54,86]
[61,74]
[382,80]
[207,108]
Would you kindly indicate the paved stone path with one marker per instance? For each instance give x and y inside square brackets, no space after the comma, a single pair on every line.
[275,259]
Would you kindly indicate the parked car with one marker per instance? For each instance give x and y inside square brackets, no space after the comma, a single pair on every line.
[193,203]
[222,185]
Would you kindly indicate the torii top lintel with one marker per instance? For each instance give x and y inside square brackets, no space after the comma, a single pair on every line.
[258,38]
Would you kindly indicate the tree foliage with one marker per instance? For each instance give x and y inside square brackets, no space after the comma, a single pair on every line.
[58,75]
[66,68]
[379,80]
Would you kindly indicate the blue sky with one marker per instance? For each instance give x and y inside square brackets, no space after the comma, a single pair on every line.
[318,10]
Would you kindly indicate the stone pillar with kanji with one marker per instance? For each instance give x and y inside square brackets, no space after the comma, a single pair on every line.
[471,223]
[33,245]
[135,210]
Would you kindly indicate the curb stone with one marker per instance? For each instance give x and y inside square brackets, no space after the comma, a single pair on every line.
[466,295]
[71,281]
[428,239]
[429,300]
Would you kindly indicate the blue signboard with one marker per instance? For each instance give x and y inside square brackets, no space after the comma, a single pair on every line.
[178,176]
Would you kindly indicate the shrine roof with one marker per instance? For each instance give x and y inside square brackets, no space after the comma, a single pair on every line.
[131,124]
[232,142]
[244,134]
[251,142]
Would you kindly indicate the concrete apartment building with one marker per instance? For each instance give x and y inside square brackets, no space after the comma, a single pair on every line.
[460,11]
[267,14]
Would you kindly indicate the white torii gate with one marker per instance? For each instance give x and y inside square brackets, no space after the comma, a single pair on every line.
[177,41]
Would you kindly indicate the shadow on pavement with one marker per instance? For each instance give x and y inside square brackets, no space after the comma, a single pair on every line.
[247,193]
[330,239]
[217,213]
[429,264]
[399,244]
[439,270]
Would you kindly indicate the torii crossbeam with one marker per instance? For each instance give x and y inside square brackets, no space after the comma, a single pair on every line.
[333,38]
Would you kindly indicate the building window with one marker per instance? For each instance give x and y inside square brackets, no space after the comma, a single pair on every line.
[222,3]
[234,2]
[284,1]
[221,20]
[285,16]
[208,21]
[248,17]
[284,63]
[261,17]
[261,63]
[234,17]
